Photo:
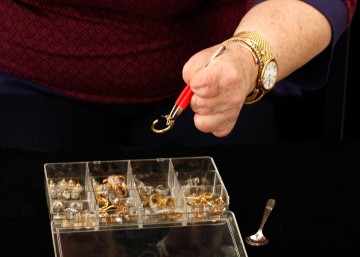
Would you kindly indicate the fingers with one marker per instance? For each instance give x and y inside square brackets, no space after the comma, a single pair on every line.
[205,83]
[217,103]
[217,100]
[220,124]
[217,113]
[219,89]
[201,60]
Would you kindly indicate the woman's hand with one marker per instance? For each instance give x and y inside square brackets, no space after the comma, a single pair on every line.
[221,88]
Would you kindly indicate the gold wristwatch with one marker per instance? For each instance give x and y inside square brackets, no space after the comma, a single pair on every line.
[264,58]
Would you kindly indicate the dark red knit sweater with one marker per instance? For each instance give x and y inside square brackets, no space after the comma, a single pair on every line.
[111,51]
[123,52]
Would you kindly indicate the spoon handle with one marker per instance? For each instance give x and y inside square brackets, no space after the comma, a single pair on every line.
[268,208]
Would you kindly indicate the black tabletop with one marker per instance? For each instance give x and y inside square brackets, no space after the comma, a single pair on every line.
[315,185]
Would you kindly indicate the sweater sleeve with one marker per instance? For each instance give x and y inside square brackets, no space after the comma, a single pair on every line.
[314,74]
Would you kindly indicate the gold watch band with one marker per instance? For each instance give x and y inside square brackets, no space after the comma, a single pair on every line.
[262,54]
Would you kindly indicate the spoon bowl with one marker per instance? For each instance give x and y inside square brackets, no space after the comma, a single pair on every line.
[258,239]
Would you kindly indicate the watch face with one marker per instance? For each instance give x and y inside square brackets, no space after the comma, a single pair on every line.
[269,75]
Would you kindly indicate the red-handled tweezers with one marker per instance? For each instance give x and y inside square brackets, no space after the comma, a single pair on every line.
[182,101]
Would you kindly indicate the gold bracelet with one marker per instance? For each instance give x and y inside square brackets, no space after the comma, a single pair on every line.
[264,58]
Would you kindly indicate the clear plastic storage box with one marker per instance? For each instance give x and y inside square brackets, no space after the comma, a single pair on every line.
[141,208]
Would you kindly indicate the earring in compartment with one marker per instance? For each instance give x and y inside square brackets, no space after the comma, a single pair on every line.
[76,191]
[163,191]
[71,184]
[113,180]
[77,205]
[62,185]
[66,194]
[168,201]
[155,200]
[102,202]
[103,217]
[58,205]
[120,190]
[122,209]
[52,189]
[116,218]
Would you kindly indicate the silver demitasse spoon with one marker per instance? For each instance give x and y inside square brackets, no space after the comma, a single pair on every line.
[258,238]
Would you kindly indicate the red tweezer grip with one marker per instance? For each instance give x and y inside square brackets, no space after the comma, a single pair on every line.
[185,97]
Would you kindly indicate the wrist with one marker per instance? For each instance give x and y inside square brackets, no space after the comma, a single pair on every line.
[263,58]
[248,65]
